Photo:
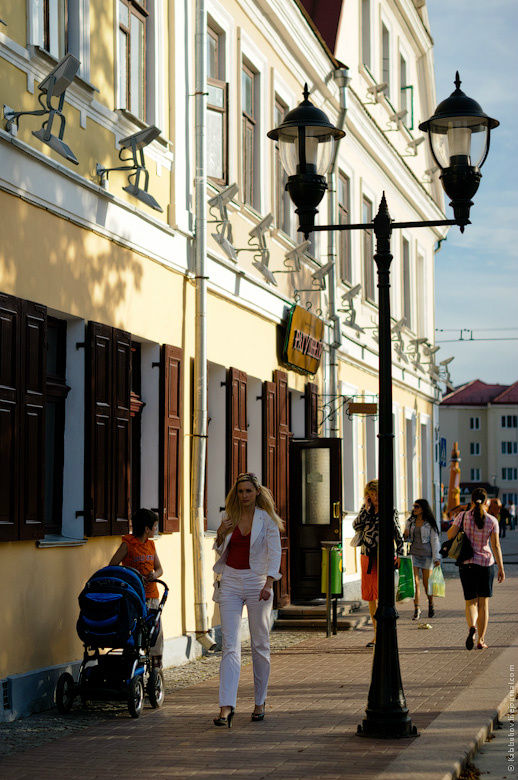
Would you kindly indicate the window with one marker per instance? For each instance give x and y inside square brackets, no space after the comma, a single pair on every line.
[344,217]
[282,198]
[509,448]
[368,260]
[474,423]
[474,448]
[474,475]
[421,297]
[509,473]
[509,421]
[407,282]
[509,498]
[132,57]
[56,391]
[55,27]
[406,94]
[217,108]
[385,58]
[249,81]
[366,32]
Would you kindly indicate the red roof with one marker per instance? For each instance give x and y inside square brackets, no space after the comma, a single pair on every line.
[326,17]
[478,393]
[508,396]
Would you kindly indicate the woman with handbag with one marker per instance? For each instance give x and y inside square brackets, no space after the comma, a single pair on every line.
[366,526]
[422,533]
[249,547]
[477,573]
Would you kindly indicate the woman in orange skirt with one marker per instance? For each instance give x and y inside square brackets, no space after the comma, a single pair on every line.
[366,525]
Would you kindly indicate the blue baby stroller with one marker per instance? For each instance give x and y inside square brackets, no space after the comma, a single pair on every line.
[114,618]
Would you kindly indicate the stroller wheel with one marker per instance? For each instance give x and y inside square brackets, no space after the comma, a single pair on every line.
[135,697]
[155,688]
[65,693]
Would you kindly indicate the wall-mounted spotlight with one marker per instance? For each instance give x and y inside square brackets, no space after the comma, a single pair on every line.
[259,247]
[134,144]
[378,91]
[54,85]
[223,235]
[413,144]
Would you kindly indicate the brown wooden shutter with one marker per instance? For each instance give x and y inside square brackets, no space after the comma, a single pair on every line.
[270,436]
[10,329]
[282,586]
[311,408]
[283,432]
[237,426]
[171,359]
[121,432]
[98,429]
[32,450]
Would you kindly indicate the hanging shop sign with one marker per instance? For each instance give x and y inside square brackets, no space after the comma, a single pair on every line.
[303,342]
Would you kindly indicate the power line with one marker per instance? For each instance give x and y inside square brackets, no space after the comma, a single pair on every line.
[450,341]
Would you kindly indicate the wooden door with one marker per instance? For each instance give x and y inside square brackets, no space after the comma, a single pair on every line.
[315,510]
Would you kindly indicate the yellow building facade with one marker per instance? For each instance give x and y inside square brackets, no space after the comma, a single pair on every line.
[98,300]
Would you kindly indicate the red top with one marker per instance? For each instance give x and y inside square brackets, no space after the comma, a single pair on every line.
[238,550]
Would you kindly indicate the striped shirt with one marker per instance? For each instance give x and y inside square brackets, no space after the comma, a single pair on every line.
[479,537]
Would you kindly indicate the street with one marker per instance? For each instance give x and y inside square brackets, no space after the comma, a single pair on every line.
[317,696]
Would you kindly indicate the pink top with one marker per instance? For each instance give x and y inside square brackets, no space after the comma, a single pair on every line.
[238,550]
[479,537]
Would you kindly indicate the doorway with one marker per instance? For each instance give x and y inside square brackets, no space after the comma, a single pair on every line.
[315,510]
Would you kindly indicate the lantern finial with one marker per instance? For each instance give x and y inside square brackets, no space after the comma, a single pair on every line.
[457,81]
[306,91]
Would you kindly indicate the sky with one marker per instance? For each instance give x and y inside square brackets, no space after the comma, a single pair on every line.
[476,273]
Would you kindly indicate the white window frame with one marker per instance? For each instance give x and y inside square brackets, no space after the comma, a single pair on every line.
[405,237]
[350,459]
[474,423]
[410,459]
[421,299]
[368,35]
[78,31]
[226,24]
[474,474]
[384,23]
[251,54]
[474,448]
[366,192]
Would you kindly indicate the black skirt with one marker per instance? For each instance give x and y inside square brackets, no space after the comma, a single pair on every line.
[476,580]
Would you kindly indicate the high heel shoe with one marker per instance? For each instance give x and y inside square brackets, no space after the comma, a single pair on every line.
[256,716]
[225,721]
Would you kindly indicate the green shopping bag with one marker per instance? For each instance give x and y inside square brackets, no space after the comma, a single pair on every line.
[406,584]
[436,584]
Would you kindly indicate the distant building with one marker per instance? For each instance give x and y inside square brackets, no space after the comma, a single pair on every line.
[483,419]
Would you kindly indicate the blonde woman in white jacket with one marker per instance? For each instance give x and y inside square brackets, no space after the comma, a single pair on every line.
[249,547]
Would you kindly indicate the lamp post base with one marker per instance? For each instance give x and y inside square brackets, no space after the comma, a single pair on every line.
[378,725]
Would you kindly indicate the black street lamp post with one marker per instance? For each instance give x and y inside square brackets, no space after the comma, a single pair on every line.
[306,139]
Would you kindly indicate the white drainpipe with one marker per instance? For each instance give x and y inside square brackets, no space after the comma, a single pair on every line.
[341,77]
[199,444]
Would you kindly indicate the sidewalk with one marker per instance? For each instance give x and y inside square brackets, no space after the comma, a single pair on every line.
[317,697]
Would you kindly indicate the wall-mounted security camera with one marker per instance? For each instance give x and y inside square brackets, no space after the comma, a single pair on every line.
[399,325]
[224,196]
[414,143]
[321,273]
[430,172]
[447,361]
[398,117]
[54,85]
[135,145]
[419,341]
[350,294]
[294,258]
[223,235]
[265,272]
[429,350]
[262,227]
[378,90]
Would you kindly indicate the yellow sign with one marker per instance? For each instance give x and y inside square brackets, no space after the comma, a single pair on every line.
[304,343]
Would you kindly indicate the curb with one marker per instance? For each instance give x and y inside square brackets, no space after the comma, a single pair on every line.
[457,730]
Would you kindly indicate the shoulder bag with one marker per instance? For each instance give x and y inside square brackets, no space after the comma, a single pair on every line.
[459,547]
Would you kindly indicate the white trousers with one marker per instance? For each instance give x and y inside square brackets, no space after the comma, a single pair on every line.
[240,587]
